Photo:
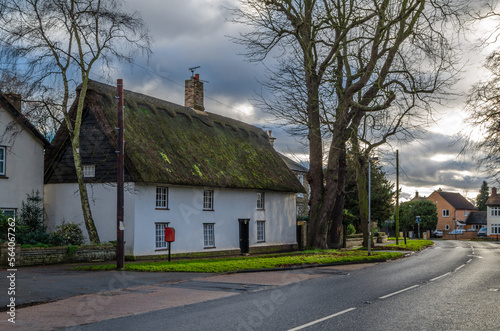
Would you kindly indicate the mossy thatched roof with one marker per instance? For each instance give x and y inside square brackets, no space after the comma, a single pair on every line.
[172,144]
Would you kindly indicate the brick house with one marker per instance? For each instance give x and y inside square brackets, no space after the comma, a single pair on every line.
[493,213]
[452,210]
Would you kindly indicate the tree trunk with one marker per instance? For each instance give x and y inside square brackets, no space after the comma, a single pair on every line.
[75,144]
[318,221]
[84,199]
[337,215]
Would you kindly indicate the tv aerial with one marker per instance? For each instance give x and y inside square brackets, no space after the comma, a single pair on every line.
[192,69]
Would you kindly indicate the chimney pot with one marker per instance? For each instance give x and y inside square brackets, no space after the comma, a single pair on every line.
[197,76]
[271,138]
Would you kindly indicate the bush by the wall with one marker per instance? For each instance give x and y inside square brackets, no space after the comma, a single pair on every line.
[69,234]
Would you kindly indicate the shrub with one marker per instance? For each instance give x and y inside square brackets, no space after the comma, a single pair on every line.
[69,234]
[26,237]
[351,229]
[4,225]
[32,213]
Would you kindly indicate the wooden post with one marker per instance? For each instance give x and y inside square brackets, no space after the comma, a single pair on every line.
[120,225]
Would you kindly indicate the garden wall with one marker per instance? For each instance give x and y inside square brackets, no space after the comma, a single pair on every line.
[54,255]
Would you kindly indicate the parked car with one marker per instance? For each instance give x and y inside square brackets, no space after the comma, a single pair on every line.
[437,234]
[483,232]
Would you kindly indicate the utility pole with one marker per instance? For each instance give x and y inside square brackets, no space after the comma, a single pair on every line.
[369,244]
[397,197]
[120,225]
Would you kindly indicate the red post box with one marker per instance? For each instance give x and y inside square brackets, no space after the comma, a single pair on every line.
[169,234]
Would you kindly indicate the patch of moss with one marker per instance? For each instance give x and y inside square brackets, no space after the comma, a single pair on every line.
[165,157]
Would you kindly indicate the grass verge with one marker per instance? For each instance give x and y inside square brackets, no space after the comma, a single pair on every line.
[411,245]
[317,257]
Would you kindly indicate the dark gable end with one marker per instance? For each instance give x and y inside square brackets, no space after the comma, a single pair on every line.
[171,144]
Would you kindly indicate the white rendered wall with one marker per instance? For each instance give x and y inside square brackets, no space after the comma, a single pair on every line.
[24,164]
[187,216]
[62,202]
[491,220]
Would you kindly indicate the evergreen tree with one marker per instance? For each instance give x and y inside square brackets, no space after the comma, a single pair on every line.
[382,196]
[483,196]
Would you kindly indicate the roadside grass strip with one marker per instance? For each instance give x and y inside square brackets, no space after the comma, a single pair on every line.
[219,265]
[411,245]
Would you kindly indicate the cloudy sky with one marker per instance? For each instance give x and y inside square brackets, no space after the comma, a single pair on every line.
[189,33]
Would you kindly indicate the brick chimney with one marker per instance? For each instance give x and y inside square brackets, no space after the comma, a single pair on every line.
[493,192]
[193,95]
[15,100]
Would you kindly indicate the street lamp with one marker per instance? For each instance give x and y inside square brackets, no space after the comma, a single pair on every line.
[369,201]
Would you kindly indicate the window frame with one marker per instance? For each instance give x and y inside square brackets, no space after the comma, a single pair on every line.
[261,231]
[261,200]
[208,200]
[446,213]
[88,170]
[447,227]
[494,211]
[13,210]
[208,235]
[495,229]
[161,197]
[3,161]
[160,236]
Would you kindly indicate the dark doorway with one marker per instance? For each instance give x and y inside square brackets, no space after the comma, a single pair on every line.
[244,235]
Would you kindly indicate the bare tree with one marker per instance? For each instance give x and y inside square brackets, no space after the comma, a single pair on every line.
[483,107]
[339,61]
[57,44]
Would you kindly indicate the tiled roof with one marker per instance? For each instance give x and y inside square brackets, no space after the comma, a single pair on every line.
[292,165]
[476,217]
[456,200]
[493,201]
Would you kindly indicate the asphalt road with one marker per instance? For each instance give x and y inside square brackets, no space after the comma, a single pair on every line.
[452,286]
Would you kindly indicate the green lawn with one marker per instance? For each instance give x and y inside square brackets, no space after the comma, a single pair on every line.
[411,244]
[317,257]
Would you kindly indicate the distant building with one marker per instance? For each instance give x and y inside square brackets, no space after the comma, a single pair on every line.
[476,220]
[301,172]
[493,213]
[452,210]
[418,197]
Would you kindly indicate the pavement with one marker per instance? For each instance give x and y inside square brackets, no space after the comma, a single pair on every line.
[53,297]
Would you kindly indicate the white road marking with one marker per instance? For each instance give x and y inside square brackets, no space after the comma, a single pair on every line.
[446,274]
[458,268]
[322,319]
[468,261]
[400,291]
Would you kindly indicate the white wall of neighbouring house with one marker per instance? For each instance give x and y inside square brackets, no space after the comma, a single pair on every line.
[62,203]
[23,163]
[185,213]
[491,220]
